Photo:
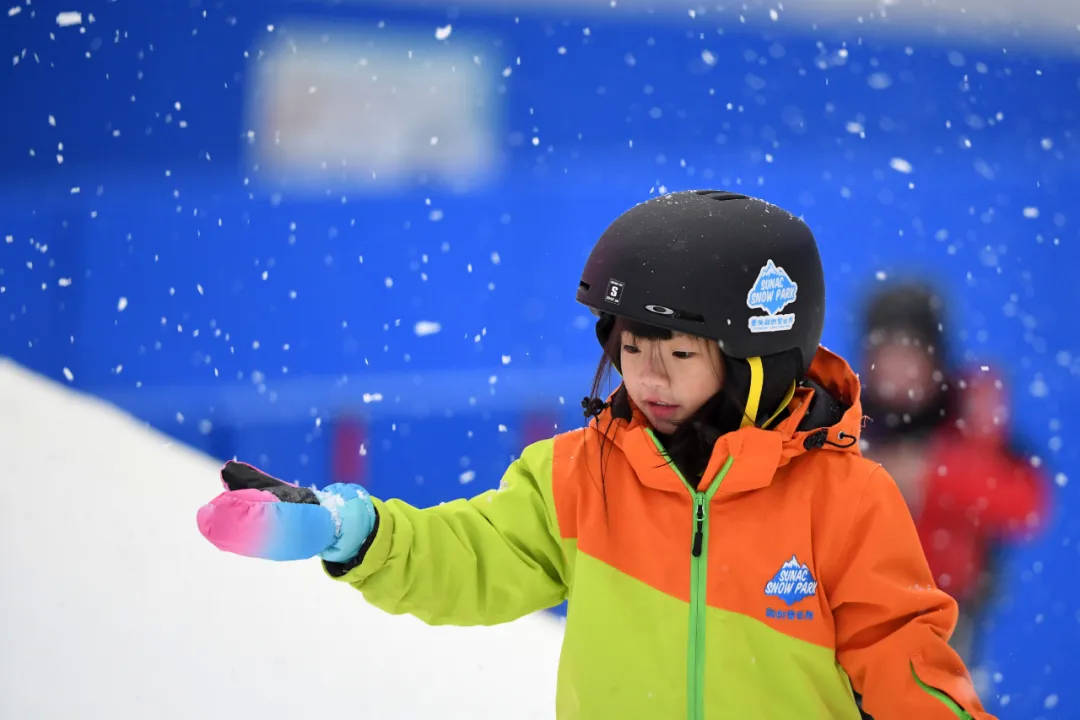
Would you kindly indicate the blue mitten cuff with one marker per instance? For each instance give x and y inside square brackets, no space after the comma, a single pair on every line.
[354,517]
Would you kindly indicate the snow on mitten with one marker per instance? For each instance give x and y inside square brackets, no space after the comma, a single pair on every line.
[261,516]
[354,519]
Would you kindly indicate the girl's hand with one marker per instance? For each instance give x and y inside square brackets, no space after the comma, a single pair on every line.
[261,516]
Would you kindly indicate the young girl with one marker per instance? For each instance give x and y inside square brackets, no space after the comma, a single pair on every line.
[725,550]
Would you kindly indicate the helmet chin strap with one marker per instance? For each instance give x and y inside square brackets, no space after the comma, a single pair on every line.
[753,397]
[783,404]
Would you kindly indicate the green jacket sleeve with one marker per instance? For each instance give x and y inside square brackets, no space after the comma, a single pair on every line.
[485,560]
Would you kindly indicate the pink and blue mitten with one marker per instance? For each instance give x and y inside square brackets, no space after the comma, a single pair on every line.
[261,516]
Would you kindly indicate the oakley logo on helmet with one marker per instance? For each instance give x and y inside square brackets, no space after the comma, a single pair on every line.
[659,309]
[614,291]
[772,292]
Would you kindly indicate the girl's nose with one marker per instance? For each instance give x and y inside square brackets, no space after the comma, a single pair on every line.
[655,368]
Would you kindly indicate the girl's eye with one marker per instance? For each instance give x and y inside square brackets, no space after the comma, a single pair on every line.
[630,348]
[683,354]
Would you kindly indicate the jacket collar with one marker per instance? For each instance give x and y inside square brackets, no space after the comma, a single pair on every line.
[825,414]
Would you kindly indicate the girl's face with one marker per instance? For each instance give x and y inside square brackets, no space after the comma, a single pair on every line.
[669,380]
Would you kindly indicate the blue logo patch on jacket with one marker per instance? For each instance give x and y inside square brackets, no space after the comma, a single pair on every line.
[792,582]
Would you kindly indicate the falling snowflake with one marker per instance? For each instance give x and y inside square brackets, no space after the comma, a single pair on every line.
[426,327]
[71,17]
[900,165]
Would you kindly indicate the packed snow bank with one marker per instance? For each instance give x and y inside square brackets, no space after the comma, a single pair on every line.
[113,606]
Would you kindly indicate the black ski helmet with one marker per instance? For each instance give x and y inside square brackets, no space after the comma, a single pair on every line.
[715,264]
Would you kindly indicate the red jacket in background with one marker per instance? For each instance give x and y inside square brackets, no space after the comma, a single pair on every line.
[977,490]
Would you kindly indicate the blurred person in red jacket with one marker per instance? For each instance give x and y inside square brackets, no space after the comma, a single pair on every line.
[943,432]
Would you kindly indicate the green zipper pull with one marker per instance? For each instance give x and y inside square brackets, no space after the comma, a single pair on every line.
[699,516]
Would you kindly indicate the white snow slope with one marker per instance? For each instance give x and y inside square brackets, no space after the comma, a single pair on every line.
[112,605]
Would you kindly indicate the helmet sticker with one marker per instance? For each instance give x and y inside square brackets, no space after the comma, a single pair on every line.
[614,291]
[772,292]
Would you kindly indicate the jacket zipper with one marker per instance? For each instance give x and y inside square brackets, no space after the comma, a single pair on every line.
[695,661]
[699,561]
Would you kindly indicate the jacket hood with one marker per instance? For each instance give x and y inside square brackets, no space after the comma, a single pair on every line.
[825,414]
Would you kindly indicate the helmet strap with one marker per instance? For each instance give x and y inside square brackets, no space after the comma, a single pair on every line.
[753,398]
[783,404]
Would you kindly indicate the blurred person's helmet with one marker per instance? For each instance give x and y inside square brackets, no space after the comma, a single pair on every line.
[719,265]
[909,312]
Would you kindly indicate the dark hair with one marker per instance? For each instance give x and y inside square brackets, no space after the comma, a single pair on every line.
[690,446]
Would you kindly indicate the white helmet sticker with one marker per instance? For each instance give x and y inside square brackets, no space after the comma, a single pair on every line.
[614,291]
[772,292]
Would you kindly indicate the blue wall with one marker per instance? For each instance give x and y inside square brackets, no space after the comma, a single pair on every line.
[178,222]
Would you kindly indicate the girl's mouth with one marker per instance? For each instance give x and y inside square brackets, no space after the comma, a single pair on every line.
[662,410]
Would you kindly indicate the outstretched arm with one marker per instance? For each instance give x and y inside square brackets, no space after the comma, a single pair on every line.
[481,561]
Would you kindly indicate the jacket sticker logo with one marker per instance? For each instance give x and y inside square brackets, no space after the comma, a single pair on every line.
[772,292]
[792,582]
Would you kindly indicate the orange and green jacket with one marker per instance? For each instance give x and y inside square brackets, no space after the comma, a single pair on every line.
[789,577]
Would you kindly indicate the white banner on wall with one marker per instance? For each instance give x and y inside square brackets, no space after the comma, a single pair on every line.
[372,109]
